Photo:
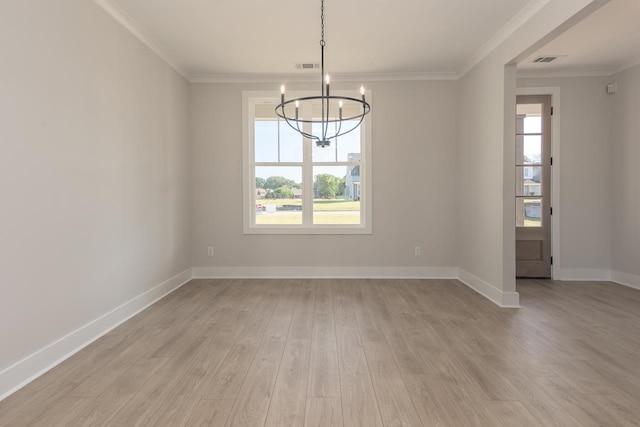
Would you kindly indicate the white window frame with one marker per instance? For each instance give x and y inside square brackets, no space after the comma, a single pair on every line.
[249,182]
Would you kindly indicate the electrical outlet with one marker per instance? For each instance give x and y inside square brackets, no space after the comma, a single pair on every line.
[417,250]
[210,251]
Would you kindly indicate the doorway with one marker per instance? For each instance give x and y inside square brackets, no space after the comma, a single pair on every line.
[533,186]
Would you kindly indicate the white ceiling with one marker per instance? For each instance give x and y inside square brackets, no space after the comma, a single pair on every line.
[605,42]
[253,39]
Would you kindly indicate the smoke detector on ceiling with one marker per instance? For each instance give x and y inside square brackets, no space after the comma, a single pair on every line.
[545,59]
[308,66]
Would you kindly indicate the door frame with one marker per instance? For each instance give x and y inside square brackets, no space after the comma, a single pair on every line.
[556,271]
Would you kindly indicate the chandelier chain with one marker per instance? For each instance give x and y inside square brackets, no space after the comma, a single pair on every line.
[322,23]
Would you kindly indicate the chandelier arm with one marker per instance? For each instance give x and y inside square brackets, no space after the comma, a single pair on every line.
[366,108]
[326,125]
[300,131]
[352,129]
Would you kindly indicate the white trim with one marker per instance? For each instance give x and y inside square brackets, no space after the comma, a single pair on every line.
[626,279]
[310,272]
[249,100]
[585,274]
[138,31]
[555,169]
[533,7]
[31,367]
[487,290]
[630,64]
[305,77]
[539,73]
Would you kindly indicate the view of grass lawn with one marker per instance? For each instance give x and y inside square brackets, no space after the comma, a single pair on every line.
[532,222]
[318,204]
[278,218]
[335,205]
[331,211]
[334,219]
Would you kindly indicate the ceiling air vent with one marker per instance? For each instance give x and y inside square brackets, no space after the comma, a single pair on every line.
[544,59]
[307,66]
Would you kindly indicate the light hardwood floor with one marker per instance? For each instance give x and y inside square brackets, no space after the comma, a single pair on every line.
[353,353]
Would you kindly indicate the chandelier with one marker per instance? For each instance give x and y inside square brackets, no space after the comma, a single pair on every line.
[332,123]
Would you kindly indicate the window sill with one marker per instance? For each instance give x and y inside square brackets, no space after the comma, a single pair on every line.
[319,229]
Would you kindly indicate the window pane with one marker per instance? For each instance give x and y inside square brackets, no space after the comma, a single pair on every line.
[336,195]
[528,149]
[528,182]
[349,144]
[290,144]
[279,200]
[267,145]
[266,141]
[341,149]
[528,212]
[324,154]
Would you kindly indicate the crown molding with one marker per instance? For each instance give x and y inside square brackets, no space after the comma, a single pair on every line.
[313,77]
[137,30]
[625,66]
[533,73]
[510,27]
[529,73]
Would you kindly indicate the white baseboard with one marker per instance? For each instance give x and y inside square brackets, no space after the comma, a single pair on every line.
[586,274]
[325,272]
[626,279]
[600,275]
[495,295]
[31,367]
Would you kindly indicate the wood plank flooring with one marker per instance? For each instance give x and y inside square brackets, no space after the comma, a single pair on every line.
[353,353]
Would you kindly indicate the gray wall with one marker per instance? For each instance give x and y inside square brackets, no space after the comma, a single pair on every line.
[585,173]
[414,174]
[625,206]
[93,171]
[486,108]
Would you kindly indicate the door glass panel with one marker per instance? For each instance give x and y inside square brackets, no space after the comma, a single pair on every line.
[533,123]
[528,181]
[529,118]
[528,149]
[528,212]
